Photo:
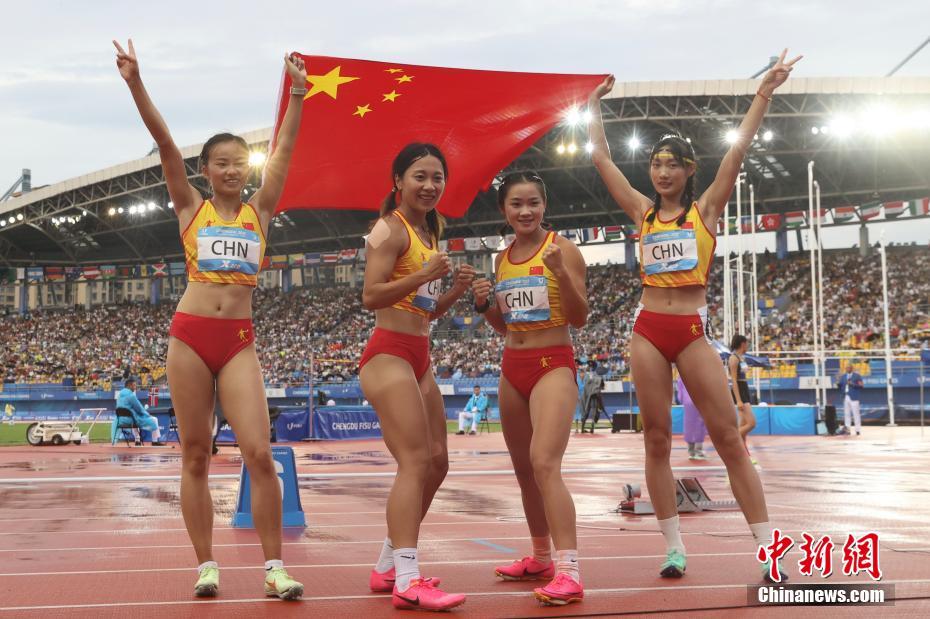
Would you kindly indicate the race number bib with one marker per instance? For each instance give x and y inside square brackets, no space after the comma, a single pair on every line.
[225,248]
[523,299]
[427,295]
[669,251]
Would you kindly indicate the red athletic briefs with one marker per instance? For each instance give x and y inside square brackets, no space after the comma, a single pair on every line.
[523,367]
[414,349]
[215,340]
[669,333]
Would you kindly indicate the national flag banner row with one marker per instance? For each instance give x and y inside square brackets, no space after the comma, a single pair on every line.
[870,210]
[766,222]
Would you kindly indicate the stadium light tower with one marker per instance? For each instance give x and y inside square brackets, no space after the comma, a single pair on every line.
[813,260]
[888,379]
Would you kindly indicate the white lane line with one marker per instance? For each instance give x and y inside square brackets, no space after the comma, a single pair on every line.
[492,594]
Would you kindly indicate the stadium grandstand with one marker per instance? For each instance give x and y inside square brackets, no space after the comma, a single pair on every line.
[92,266]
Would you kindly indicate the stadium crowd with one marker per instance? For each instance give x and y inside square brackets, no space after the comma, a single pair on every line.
[327,328]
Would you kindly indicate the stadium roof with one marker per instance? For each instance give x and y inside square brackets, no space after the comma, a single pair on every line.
[885,156]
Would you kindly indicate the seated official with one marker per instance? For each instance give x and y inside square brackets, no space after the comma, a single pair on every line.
[475,408]
[127,399]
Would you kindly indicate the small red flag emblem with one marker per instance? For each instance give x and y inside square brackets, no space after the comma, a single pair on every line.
[537,270]
[248,225]
[688,225]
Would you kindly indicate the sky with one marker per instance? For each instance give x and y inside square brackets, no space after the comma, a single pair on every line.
[212,66]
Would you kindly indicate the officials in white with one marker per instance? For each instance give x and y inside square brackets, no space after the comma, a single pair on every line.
[850,386]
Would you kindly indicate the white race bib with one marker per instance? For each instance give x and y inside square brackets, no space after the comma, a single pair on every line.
[523,299]
[427,295]
[670,250]
[225,248]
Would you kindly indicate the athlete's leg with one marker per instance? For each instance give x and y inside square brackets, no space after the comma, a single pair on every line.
[192,390]
[747,420]
[704,377]
[438,438]
[518,434]
[652,376]
[242,395]
[391,387]
[552,402]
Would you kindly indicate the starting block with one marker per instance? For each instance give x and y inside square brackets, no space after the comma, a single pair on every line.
[690,494]
[292,513]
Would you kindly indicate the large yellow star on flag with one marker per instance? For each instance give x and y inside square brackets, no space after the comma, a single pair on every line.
[328,83]
[361,110]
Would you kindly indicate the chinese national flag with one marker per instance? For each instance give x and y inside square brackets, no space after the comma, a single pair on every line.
[358,114]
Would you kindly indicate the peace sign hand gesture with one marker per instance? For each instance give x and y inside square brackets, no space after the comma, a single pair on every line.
[127,63]
[778,74]
[296,70]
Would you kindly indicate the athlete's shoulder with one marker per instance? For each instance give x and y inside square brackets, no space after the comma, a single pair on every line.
[388,232]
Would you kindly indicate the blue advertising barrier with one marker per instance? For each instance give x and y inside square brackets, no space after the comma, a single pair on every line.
[292,513]
[770,420]
[793,420]
[226,434]
[292,425]
[345,423]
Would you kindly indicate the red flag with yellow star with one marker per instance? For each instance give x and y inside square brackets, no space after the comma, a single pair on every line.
[358,114]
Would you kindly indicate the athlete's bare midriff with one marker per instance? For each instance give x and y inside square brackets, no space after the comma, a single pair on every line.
[681,300]
[217,300]
[541,338]
[402,321]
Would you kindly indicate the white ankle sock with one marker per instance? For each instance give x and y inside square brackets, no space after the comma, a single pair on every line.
[762,533]
[567,563]
[405,561]
[273,563]
[386,559]
[672,534]
[207,564]
[542,550]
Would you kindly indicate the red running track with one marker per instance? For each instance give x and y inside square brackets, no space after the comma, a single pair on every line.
[83,547]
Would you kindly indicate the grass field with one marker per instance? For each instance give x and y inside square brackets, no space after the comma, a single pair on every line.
[16,434]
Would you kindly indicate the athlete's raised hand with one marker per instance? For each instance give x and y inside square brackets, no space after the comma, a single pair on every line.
[481,290]
[603,88]
[438,266]
[778,74]
[296,69]
[126,62]
[464,276]
[552,258]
